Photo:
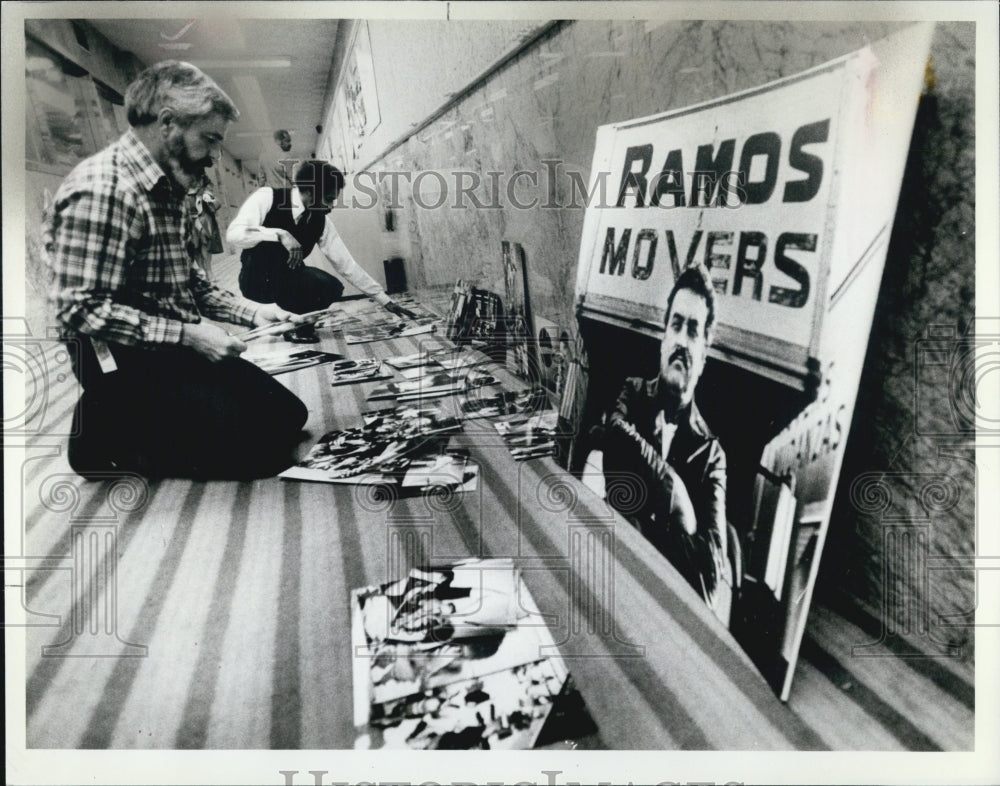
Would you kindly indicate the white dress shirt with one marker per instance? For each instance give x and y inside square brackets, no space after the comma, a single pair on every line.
[247,230]
[666,433]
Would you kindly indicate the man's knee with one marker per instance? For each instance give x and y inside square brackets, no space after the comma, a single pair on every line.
[321,286]
[336,289]
[258,400]
[294,412]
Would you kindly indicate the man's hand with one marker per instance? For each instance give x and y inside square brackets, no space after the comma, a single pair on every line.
[399,311]
[272,312]
[293,247]
[211,341]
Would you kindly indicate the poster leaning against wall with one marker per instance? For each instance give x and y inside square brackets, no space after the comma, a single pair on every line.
[786,193]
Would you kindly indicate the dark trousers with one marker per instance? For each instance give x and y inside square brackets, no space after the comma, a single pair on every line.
[173,413]
[267,279]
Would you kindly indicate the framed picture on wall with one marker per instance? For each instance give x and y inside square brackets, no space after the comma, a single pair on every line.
[344,140]
[359,86]
[333,148]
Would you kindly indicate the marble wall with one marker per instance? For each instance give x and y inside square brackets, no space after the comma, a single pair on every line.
[912,430]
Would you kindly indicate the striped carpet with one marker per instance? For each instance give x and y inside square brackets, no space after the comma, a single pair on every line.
[196,584]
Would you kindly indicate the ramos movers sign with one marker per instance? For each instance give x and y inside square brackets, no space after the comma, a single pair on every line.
[786,193]
[742,185]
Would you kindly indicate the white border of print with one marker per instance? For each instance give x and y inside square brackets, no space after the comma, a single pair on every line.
[544,767]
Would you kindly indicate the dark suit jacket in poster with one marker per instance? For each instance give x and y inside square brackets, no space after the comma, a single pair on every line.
[632,453]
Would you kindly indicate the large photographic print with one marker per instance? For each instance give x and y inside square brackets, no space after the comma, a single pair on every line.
[700,459]
[765,208]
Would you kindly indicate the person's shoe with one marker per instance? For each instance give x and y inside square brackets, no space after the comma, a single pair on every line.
[303,334]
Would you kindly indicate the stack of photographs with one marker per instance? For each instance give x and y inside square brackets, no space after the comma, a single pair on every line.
[357,312]
[451,470]
[389,329]
[414,360]
[275,328]
[530,401]
[342,322]
[529,437]
[363,321]
[453,657]
[428,386]
[433,385]
[346,372]
[288,358]
[397,422]
[419,310]
[416,372]
[400,447]
[459,358]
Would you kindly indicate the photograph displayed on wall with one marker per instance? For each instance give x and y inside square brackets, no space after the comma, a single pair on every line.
[361,98]
[349,140]
[336,146]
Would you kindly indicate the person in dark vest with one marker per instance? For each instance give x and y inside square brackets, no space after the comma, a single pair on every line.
[277,228]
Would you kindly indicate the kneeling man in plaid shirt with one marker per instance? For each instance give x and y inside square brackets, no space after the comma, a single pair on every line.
[166,394]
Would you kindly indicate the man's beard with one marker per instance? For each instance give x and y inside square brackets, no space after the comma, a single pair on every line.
[675,382]
[681,355]
[186,170]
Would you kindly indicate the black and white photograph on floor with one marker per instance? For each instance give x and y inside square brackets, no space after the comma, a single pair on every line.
[569,378]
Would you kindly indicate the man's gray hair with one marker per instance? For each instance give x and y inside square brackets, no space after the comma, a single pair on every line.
[171,84]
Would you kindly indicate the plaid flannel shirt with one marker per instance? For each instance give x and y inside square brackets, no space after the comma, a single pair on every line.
[115,241]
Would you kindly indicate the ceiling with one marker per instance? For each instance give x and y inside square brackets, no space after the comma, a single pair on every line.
[275,70]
